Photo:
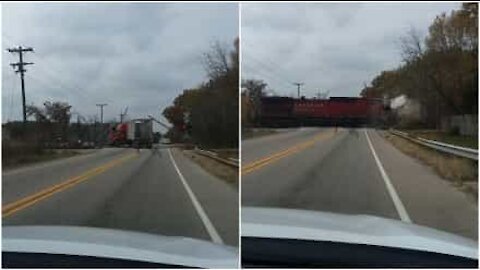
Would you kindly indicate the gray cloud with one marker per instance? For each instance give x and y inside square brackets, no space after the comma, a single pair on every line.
[335,47]
[140,55]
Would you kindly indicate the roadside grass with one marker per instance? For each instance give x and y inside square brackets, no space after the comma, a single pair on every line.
[461,172]
[17,154]
[227,153]
[250,133]
[465,141]
[222,171]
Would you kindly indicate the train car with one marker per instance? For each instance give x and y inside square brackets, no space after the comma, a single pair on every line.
[336,111]
[276,112]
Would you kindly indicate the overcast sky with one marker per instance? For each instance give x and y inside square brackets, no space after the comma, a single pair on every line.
[137,55]
[329,47]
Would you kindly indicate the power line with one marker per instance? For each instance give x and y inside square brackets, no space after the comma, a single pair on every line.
[256,69]
[274,68]
[47,72]
[271,70]
[71,86]
[268,76]
[271,73]
[283,78]
[47,83]
[266,60]
[52,81]
[9,98]
[9,40]
[13,89]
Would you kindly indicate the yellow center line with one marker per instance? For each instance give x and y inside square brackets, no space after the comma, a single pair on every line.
[255,165]
[25,202]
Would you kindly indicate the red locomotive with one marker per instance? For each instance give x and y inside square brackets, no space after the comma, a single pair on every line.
[336,111]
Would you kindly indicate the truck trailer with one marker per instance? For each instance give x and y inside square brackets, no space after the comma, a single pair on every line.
[140,133]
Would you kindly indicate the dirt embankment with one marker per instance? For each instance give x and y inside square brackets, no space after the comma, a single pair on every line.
[17,154]
[224,172]
[250,133]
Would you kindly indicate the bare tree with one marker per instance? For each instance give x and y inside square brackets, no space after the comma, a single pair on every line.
[254,90]
[411,45]
[37,113]
[216,61]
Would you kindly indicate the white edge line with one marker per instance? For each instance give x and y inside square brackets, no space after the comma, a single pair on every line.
[203,216]
[402,212]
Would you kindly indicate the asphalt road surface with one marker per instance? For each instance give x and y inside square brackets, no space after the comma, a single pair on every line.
[154,191]
[352,171]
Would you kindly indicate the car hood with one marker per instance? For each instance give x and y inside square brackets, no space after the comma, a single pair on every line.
[355,229]
[118,244]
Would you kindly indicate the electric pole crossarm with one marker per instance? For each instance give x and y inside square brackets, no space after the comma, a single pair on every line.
[21,64]
[20,49]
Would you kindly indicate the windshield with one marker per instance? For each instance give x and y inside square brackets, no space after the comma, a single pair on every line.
[122,116]
[361,109]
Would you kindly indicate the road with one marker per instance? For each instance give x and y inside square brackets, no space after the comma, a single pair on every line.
[154,191]
[352,171]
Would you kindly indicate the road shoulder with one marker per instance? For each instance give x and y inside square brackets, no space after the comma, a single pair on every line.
[429,199]
[219,199]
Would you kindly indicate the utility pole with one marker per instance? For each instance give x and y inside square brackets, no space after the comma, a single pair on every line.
[101,111]
[123,114]
[298,88]
[20,69]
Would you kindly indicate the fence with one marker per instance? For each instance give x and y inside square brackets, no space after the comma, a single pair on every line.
[465,124]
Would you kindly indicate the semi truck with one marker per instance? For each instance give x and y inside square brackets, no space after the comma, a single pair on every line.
[134,133]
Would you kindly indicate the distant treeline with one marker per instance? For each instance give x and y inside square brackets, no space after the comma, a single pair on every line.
[440,72]
[207,115]
[50,125]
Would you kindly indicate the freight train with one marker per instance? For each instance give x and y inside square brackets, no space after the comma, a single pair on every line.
[335,111]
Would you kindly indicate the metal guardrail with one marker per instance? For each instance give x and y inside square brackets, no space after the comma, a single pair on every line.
[230,162]
[439,146]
